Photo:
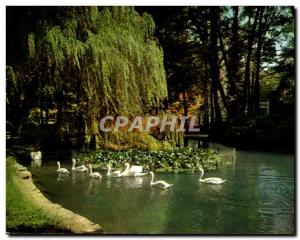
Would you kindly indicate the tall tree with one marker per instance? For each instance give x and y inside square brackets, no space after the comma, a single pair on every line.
[251,38]
[260,35]
[233,68]
[214,59]
[107,55]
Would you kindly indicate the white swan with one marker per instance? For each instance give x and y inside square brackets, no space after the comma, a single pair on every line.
[36,159]
[81,168]
[94,174]
[212,180]
[161,184]
[134,171]
[114,173]
[137,171]
[36,155]
[61,170]
[126,172]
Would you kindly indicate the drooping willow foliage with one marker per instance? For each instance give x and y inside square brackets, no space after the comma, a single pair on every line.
[109,52]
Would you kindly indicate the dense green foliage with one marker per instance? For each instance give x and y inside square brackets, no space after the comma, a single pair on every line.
[137,140]
[118,64]
[177,159]
[94,61]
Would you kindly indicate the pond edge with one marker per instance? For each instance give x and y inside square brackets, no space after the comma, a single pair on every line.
[69,220]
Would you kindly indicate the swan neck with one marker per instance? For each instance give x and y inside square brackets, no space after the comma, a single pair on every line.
[152,178]
[202,173]
[125,172]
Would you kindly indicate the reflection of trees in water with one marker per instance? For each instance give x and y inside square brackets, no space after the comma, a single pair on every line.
[93,186]
[62,177]
[132,207]
[78,177]
[276,203]
[191,211]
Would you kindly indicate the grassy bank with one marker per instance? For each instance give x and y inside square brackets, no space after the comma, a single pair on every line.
[21,215]
[29,211]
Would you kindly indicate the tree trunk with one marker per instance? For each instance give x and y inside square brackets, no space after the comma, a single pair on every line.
[234,69]
[234,57]
[59,106]
[232,62]
[185,104]
[234,103]
[41,97]
[206,104]
[214,65]
[212,110]
[246,85]
[256,90]
[217,108]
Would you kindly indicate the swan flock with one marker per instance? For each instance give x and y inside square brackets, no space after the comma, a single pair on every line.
[130,171]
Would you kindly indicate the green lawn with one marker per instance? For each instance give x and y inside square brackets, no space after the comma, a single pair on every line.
[21,215]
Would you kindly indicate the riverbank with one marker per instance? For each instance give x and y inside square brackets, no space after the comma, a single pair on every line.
[29,212]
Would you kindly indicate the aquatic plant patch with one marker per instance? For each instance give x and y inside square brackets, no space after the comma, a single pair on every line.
[177,159]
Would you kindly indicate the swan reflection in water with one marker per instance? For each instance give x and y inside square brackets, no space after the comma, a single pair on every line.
[164,192]
[78,177]
[133,182]
[36,159]
[108,182]
[62,177]
[210,188]
[159,191]
[36,163]
[94,185]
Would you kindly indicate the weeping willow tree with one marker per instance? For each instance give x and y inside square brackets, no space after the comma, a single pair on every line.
[106,57]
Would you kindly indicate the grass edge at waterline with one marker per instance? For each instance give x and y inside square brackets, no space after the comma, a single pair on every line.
[29,212]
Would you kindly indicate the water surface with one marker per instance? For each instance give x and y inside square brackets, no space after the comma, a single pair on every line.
[257,198]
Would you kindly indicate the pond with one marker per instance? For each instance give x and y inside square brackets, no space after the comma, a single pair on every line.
[257,198]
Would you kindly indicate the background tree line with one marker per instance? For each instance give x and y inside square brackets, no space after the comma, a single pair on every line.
[87,62]
[237,57]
